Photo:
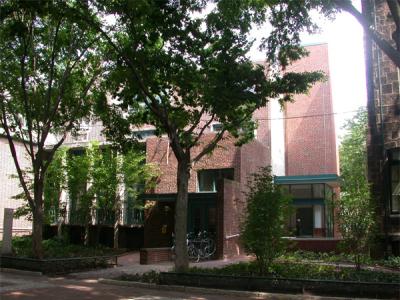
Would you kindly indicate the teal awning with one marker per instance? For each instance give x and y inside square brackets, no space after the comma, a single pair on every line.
[330,179]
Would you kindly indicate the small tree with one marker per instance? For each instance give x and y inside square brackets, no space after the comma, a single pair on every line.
[97,178]
[356,211]
[268,209]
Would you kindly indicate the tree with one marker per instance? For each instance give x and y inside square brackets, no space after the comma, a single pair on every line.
[98,178]
[267,212]
[113,176]
[294,17]
[48,68]
[181,66]
[356,210]
[54,184]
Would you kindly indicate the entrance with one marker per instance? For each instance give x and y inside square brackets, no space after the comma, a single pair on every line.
[304,221]
[202,215]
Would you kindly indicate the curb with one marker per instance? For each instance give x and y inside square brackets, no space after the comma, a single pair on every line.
[234,293]
[20,272]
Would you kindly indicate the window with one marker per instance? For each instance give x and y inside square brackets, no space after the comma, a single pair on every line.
[319,191]
[394,165]
[301,191]
[144,134]
[207,179]
[216,127]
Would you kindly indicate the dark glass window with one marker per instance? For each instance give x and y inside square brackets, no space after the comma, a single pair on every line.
[144,134]
[301,191]
[216,127]
[207,179]
[319,190]
[394,160]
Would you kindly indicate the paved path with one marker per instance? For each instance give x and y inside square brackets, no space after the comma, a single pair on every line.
[43,288]
[85,285]
[128,264]
[26,287]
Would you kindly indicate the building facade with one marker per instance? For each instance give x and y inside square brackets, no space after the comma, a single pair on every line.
[10,186]
[383,79]
[298,141]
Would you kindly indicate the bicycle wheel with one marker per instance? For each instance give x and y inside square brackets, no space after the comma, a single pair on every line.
[192,252]
[209,248]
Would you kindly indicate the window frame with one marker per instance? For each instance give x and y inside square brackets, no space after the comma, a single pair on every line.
[391,163]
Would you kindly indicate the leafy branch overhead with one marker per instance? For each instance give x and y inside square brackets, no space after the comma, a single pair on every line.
[291,17]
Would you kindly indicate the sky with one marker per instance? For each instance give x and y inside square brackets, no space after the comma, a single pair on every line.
[344,36]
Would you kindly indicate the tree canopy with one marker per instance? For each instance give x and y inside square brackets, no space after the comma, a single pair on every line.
[181,65]
[294,17]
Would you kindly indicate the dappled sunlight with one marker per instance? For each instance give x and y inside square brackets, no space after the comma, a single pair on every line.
[78,287]
[150,297]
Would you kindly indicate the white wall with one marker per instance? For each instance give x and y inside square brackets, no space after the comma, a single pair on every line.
[277,139]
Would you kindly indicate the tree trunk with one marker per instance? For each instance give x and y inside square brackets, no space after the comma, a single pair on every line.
[37,232]
[38,216]
[181,258]
[116,228]
[86,237]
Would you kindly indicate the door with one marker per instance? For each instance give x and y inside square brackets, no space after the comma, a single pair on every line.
[201,216]
[304,221]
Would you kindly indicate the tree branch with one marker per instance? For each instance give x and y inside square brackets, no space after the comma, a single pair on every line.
[210,146]
[25,96]
[53,57]
[384,45]
[202,129]
[15,158]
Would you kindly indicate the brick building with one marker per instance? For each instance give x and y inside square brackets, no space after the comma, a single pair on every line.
[384,127]
[298,142]
[300,145]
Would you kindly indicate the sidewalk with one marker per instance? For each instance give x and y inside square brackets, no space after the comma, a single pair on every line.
[128,264]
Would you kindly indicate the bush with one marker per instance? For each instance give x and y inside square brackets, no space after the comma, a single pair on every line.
[268,209]
[302,271]
[391,262]
[148,277]
[58,248]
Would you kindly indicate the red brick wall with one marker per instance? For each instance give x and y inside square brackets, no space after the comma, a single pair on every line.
[233,210]
[310,141]
[317,245]
[155,255]
[226,155]
[253,156]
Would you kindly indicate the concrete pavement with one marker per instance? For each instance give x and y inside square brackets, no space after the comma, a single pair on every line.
[28,287]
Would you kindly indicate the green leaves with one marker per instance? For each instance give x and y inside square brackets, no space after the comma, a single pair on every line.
[268,209]
[93,179]
[356,209]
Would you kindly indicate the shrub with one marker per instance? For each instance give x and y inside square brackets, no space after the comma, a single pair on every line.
[268,209]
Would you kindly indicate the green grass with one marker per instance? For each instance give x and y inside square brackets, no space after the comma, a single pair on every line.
[302,271]
[58,248]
